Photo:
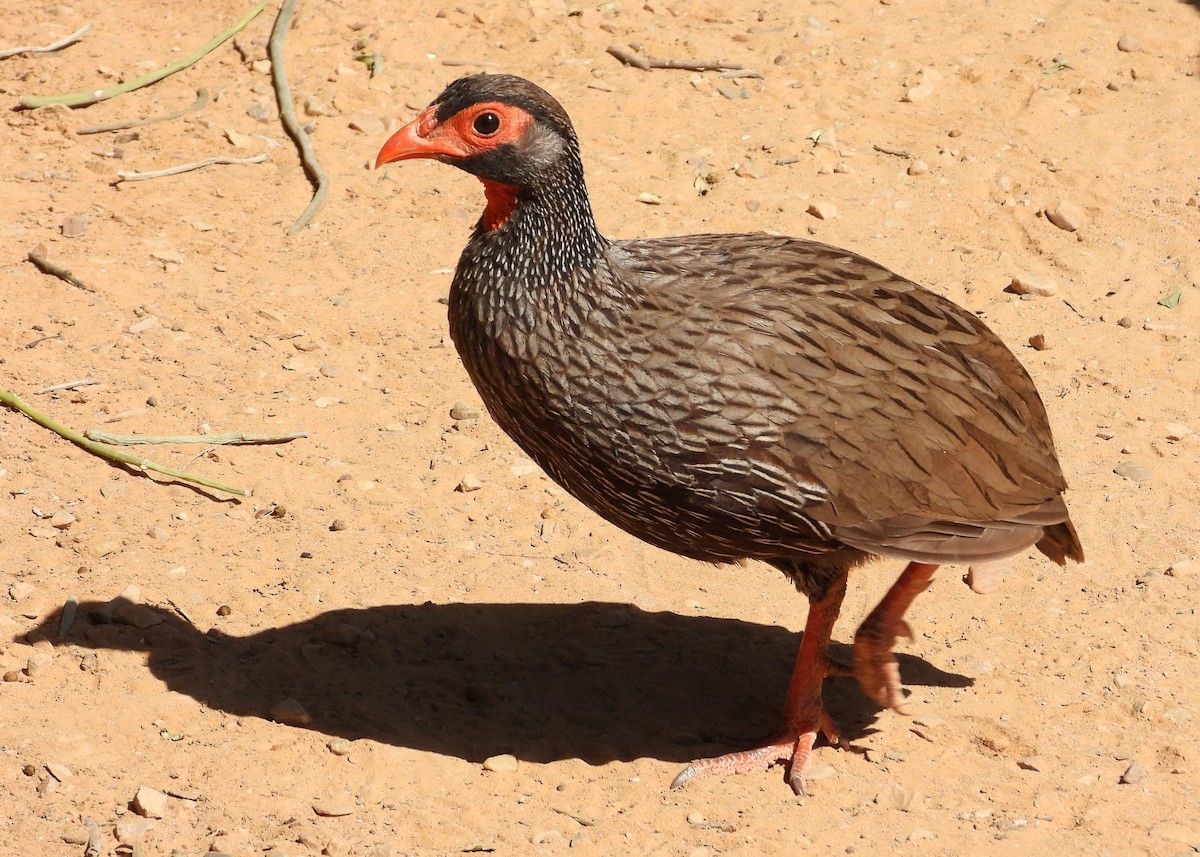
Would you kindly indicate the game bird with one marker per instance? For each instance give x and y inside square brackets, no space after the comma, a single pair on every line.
[729,397]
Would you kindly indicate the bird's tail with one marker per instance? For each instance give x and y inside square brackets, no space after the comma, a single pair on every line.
[1060,542]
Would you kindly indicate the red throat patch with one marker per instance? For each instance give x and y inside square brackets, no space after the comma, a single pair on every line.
[501,203]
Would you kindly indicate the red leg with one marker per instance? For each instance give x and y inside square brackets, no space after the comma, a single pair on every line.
[875,666]
[804,714]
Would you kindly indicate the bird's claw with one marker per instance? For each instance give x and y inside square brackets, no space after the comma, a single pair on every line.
[683,776]
[875,666]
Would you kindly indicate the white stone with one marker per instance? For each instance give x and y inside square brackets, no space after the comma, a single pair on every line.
[505,763]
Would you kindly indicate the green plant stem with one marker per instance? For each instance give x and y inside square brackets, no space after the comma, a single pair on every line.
[201,100]
[287,115]
[210,439]
[83,99]
[15,402]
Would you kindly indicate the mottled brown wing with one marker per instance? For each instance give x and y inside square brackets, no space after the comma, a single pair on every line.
[925,432]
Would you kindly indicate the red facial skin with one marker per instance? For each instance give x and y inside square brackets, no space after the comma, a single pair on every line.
[456,138]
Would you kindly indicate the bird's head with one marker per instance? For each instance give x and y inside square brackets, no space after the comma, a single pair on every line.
[499,127]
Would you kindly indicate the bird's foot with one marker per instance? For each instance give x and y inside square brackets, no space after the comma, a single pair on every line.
[793,751]
[875,666]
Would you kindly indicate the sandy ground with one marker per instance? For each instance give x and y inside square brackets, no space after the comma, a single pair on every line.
[425,629]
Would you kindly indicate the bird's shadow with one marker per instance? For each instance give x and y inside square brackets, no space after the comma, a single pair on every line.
[591,681]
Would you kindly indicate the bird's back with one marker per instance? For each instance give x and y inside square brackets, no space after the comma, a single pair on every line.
[729,396]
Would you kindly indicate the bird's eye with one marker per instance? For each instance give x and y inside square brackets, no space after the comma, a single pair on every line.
[486,124]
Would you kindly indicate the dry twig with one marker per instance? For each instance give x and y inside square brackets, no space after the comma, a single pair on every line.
[46,49]
[632,58]
[92,849]
[68,616]
[67,385]
[38,257]
[201,100]
[36,342]
[83,99]
[183,168]
[16,403]
[887,150]
[287,115]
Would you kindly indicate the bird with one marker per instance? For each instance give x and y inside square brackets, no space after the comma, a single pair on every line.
[736,397]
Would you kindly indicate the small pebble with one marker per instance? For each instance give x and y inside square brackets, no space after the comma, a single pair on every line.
[1032,284]
[372,126]
[224,610]
[1038,342]
[101,549]
[817,773]
[314,106]
[337,525]
[918,168]
[133,830]
[290,712]
[897,796]
[332,808]
[1171,431]
[113,490]
[1125,321]
[75,226]
[342,634]
[1133,775]
[127,612]
[470,482]
[1065,215]
[748,170]
[172,257]
[75,837]
[1129,43]
[921,834]
[464,411]
[1183,568]
[918,93]
[986,577]
[1037,763]
[823,210]
[505,763]
[150,803]
[340,746]
[239,140]
[1132,471]
[1177,831]
[649,198]
[696,819]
